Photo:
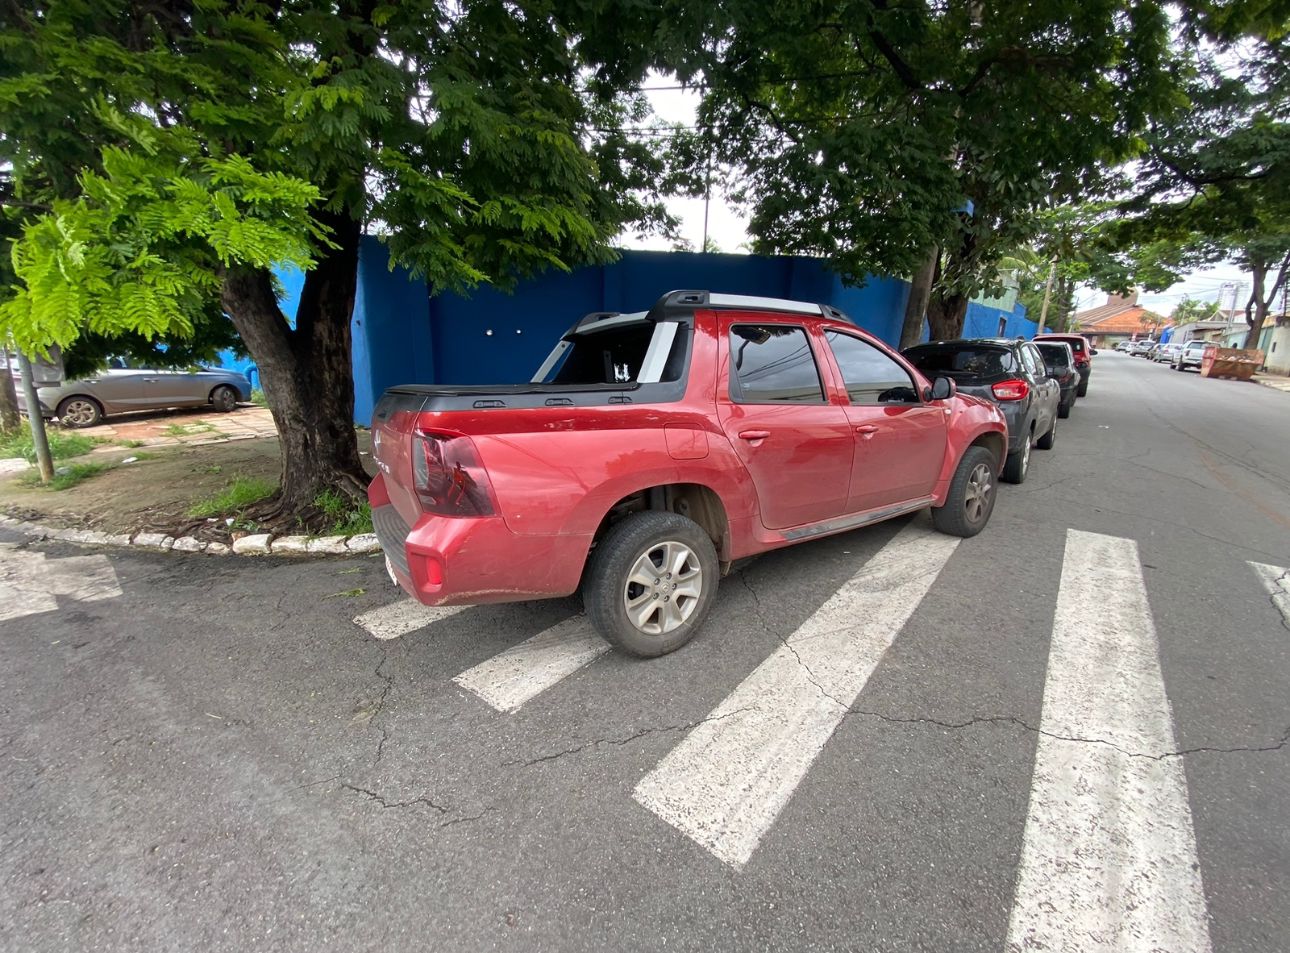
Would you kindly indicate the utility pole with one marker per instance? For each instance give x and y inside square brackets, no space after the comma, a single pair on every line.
[1048,293]
[38,439]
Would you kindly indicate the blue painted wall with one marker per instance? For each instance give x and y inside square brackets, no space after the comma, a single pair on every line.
[403,335]
[292,281]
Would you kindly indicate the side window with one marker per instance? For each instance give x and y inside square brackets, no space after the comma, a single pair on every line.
[773,364]
[870,375]
[1034,366]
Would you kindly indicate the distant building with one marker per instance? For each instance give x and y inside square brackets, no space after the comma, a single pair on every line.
[1120,319]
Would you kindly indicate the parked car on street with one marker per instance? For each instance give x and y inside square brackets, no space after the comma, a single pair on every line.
[1009,372]
[1190,355]
[1059,361]
[652,449]
[1164,353]
[1124,345]
[1083,352]
[1140,348]
[119,390]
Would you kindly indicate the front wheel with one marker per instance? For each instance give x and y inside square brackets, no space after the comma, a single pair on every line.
[79,412]
[970,501]
[1014,471]
[224,399]
[1047,440]
[651,582]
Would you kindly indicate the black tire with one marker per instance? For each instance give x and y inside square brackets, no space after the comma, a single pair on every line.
[224,399]
[1017,465]
[1047,440]
[965,513]
[609,588]
[1083,387]
[79,411]
[1065,407]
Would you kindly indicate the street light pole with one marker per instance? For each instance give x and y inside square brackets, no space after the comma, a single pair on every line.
[1048,293]
[37,422]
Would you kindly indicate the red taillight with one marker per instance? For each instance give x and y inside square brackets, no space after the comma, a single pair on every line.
[450,479]
[1010,390]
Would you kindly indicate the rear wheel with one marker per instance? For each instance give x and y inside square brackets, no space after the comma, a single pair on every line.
[1065,407]
[1014,471]
[970,501]
[224,398]
[651,582]
[1083,387]
[79,412]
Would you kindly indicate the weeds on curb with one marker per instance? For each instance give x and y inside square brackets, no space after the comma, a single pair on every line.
[73,475]
[347,519]
[237,496]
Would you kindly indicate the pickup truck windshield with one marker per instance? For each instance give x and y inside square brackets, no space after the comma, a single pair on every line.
[635,351]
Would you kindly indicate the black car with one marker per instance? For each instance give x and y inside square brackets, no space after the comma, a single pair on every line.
[1060,363]
[1012,374]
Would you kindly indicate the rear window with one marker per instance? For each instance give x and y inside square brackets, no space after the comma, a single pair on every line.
[965,363]
[1054,354]
[615,351]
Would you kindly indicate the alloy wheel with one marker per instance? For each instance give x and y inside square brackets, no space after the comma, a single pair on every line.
[977,496]
[663,588]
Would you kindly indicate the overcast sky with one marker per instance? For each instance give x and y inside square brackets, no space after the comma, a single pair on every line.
[728,229]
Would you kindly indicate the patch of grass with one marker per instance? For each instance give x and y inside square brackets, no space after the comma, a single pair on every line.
[348,594]
[237,496]
[188,430]
[61,444]
[130,444]
[211,468]
[74,474]
[258,398]
[347,517]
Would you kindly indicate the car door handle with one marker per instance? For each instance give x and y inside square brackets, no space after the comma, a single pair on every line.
[867,430]
[754,434]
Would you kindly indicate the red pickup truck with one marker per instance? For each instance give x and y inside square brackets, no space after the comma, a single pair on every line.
[652,450]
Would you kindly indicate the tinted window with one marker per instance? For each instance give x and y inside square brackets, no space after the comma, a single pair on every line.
[772,363]
[966,363]
[1055,355]
[619,353]
[870,375]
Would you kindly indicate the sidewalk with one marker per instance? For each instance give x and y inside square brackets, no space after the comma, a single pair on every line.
[183,428]
[1273,380]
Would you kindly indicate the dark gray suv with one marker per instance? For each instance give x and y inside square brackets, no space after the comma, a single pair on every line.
[1012,374]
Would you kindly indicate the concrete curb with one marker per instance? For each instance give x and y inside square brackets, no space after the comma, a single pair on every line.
[261,544]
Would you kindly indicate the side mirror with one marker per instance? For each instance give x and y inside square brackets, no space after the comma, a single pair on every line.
[942,389]
[1092,350]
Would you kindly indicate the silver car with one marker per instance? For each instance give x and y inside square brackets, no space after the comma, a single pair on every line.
[85,402]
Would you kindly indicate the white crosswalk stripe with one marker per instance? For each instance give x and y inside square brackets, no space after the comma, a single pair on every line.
[1108,857]
[506,681]
[1276,579]
[29,582]
[400,618]
[727,781]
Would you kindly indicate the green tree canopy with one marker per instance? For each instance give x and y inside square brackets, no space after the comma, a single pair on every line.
[165,157]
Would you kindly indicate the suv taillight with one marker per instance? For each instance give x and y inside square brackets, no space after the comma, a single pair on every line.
[449,477]
[1010,390]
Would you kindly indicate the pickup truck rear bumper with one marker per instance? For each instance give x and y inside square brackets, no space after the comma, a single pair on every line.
[441,561]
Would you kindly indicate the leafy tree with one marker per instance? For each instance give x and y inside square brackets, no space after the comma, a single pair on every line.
[1214,183]
[1190,310]
[922,138]
[168,156]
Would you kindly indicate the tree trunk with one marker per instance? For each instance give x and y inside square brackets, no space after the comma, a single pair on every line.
[307,374]
[9,419]
[946,313]
[920,291]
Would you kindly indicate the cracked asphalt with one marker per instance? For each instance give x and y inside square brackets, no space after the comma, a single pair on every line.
[219,759]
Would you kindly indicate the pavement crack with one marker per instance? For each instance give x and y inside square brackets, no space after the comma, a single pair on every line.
[618,742]
[387,804]
[1021,723]
[379,708]
[806,669]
